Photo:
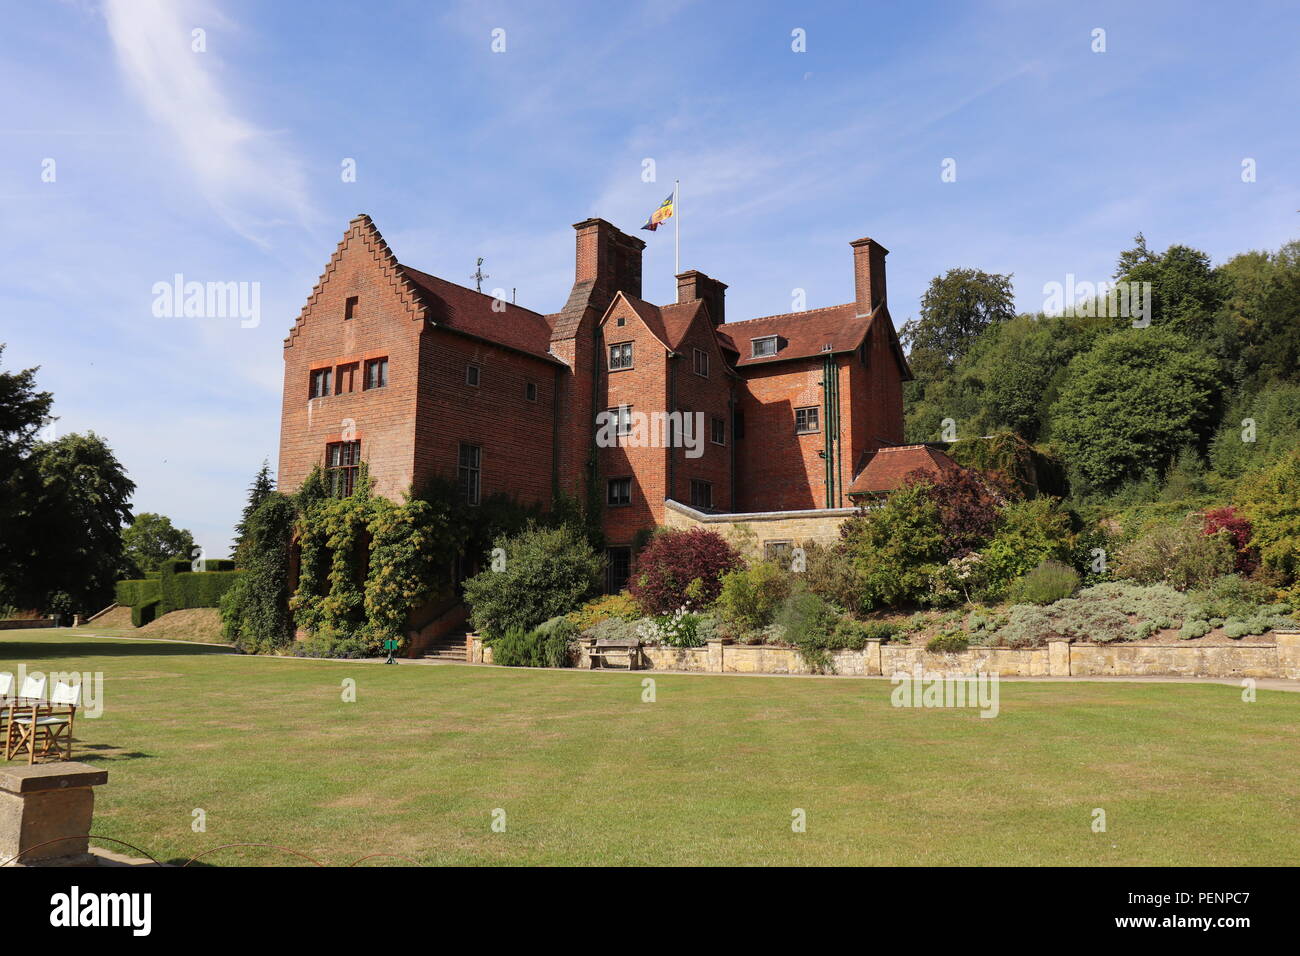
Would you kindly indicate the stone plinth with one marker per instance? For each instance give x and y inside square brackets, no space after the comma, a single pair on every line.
[46,811]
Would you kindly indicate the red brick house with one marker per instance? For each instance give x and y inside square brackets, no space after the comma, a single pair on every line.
[611,397]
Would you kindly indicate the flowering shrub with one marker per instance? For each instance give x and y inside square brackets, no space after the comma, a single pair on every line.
[679,569]
[679,629]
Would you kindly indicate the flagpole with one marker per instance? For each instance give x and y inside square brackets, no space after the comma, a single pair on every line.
[677,229]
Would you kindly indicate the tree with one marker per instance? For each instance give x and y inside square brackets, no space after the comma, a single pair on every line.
[955,309]
[1185,291]
[152,539]
[261,489]
[23,412]
[1132,403]
[255,611]
[71,529]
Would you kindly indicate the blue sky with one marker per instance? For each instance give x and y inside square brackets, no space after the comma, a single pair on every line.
[225,165]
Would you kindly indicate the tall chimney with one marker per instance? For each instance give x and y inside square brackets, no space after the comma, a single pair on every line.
[694,285]
[609,258]
[868,274]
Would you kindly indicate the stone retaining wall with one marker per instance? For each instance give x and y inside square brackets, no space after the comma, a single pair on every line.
[1060,658]
[22,624]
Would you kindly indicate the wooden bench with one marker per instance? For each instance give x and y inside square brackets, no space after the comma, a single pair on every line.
[626,651]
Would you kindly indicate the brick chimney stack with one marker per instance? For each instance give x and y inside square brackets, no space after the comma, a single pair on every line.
[609,258]
[869,274]
[694,285]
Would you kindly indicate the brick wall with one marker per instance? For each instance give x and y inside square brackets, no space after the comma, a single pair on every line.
[645,388]
[514,433]
[386,322]
[777,469]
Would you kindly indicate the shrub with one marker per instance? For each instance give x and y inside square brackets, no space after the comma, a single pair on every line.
[621,606]
[1268,501]
[1238,532]
[968,507]
[614,629]
[1194,629]
[330,643]
[1230,596]
[679,629]
[1180,555]
[1236,629]
[1048,582]
[808,623]
[547,645]
[546,572]
[895,549]
[948,642]
[554,639]
[750,597]
[1028,533]
[830,574]
[681,568]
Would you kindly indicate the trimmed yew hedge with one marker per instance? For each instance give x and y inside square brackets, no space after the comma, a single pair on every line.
[182,587]
[132,593]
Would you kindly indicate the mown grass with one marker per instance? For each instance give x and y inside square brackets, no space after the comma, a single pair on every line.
[709,773]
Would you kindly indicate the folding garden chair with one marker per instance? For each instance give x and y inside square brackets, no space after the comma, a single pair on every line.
[7,700]
[44,726]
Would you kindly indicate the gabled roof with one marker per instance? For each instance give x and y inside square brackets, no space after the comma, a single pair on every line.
[469,312]
[836,328]
[888,466]
[670,324]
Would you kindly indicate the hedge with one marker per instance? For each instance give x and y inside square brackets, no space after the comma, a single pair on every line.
[183,588]
[132,593]
[142,614]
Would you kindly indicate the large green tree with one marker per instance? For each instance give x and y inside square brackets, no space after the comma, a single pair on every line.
[77,498]
[152,539]
[1132,403]
[955,309]
[1186,292]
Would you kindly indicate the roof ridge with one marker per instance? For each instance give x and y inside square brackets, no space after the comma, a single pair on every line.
[513,305]
[782,315]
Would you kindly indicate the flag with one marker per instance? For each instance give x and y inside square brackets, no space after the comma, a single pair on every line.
[660,215]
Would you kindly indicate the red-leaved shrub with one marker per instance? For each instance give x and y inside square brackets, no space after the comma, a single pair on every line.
[663,576]
[968,503]
[1238,528]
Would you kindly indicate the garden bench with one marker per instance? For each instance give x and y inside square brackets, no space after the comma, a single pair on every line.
[625,650]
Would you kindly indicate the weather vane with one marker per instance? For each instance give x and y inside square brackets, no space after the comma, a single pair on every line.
[479,275]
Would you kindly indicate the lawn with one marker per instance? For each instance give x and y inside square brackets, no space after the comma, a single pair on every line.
[708,773]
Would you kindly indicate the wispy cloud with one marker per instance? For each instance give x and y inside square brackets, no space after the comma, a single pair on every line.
[246,173]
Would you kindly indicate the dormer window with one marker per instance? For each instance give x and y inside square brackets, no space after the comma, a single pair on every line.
[764,346]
